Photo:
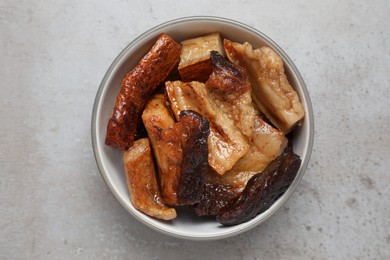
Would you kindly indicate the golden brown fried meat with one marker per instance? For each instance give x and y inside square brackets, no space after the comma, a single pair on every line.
[180,150]
[229,87]
[141,181]
[266,144]
[226,143]
[195,62]
[137,87]
[272,92]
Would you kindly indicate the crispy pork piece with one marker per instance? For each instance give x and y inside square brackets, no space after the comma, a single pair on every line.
[195,63]
[262,190]
[137,87]
[141,181]
[229,87]
[267,143]
[156,114]
[219,190]
[271,90]
[180,150]
[226,144]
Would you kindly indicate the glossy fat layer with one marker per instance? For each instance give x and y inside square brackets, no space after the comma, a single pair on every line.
[226,144]
[195,62]
[266,144]
[271,90]
[229,87]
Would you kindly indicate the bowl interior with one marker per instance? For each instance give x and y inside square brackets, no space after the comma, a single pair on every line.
[109,160]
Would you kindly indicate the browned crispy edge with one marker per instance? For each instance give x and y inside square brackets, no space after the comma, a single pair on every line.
[137,87]
[196,130]
[262,190]
[198,71]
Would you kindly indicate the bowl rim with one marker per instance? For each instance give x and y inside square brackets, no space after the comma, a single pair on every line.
[307,152]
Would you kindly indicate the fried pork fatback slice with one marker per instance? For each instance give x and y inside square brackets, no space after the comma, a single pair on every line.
[226,143]
[267,143]
[271,90]
[137,86]
[180,150]
[195,62]
[262,190]
[229,87]
[141,181]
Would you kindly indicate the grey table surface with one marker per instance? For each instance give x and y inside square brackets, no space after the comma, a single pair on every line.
[55,205]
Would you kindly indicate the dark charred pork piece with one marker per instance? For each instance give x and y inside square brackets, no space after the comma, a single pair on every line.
[180,150]
[218,190]
[262,190]
[137,87]
[227,77]
[195,130]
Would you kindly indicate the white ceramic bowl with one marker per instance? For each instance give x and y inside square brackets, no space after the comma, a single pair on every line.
[109,160]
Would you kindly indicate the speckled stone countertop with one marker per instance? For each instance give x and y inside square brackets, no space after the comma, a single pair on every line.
[54,203]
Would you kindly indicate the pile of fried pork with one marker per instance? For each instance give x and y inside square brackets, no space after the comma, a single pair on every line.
[203,123]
